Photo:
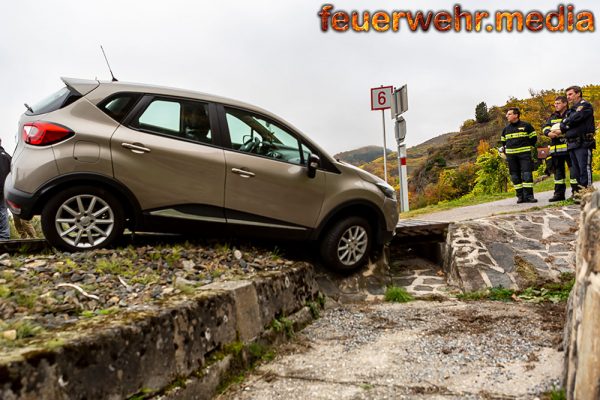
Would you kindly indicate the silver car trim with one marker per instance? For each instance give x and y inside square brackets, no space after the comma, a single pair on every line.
[241,222]
[172,213]
[243,173]
[136,148]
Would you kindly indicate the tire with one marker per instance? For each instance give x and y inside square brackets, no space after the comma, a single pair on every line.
[347,244]
[82,218]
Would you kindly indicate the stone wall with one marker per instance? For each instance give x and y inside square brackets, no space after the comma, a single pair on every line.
[512,251]
[149,349]
[582,331]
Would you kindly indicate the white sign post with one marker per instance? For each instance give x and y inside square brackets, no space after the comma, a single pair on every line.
[400,106]
[381,99]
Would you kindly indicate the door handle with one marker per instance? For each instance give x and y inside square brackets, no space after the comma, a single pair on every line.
[137,148]
[243,173]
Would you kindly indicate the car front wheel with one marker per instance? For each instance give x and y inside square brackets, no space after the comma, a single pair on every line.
[82,218]
[347,244]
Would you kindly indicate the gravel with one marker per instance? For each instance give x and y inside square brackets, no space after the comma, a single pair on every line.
[446,350]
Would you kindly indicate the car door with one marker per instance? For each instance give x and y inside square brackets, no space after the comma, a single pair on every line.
[167,157]
[267,183]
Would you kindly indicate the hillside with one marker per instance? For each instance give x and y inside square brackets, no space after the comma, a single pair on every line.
[450,150]
[362,155]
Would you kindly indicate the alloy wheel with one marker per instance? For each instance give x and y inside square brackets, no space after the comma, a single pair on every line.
[84,221]
[352,245]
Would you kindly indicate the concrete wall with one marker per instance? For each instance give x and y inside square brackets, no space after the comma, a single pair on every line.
[148,349]
[582,331]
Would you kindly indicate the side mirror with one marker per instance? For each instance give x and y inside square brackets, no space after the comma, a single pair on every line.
[313,164]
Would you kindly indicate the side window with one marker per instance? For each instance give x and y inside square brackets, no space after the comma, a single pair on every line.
[254,134]
[162,116]
[180,118]
[117,107]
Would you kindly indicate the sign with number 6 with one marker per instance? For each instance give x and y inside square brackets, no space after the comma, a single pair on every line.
[381,97]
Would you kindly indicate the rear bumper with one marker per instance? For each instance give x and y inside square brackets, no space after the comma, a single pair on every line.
[19,203]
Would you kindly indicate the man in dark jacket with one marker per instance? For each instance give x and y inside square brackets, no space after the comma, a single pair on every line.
[579,127]
[4,171]
[559,157]
[518,139]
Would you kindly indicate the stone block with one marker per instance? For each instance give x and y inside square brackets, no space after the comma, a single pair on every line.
[248,323]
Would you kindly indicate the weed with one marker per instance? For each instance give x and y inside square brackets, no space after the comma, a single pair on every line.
[276,254]
[146,279]
[501,294]
[397,295]
[276,325]
[155,256]
[26,329]
[145,393]
[173,257]
[234,348]
[256,350]
[185,289]
[223,249]
[54,344]
[5,291]
[106,266]
[7,275]
[321,300]
[87,314]
[555,394]
[107,311]
[288,327]
[177,383]
[26,300]
[314,309]
[367,386]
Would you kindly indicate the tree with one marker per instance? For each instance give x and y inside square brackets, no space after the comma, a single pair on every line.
[481,113]
[492,176]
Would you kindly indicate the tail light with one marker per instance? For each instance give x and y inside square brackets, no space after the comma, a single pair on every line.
[42,133]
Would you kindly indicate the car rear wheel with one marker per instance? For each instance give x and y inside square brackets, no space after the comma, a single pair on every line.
[82,218]
[347,244]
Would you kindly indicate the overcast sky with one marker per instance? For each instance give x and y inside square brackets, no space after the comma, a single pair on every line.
[273,54]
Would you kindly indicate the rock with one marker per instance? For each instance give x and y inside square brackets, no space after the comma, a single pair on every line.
[36,264]
[10,334]
[4,256]
[6,263]
[168,290]
[237,254]
[113,300]
[188,265]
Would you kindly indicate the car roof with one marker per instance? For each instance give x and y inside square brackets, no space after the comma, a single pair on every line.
[99,90]
[85,86]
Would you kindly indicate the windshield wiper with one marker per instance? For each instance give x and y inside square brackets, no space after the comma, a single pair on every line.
[28,108]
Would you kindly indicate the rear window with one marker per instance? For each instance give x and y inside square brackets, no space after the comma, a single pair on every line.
[55,101]
[118,106]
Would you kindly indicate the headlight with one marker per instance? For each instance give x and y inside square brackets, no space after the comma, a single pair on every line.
[387,190]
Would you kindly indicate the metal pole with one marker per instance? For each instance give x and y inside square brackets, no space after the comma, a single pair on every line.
[403,177]
[385,175]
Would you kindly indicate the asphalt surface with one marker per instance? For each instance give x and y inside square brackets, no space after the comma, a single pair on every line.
[488,209]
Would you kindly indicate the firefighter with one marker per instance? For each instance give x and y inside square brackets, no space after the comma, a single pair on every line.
[558,151]
[579,127]
[518,139]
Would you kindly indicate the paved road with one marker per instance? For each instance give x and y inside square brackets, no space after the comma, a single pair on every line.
[487,209]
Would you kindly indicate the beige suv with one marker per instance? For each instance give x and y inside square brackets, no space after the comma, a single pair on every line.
[97,157]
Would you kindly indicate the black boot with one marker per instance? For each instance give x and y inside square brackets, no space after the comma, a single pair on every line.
[528,196]
[520,198]
[557,197]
